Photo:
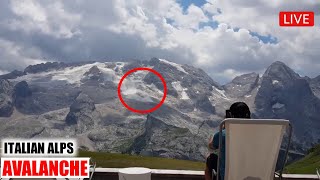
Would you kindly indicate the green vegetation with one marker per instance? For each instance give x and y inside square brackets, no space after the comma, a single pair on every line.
[111,160]
[124,145]
[308,164]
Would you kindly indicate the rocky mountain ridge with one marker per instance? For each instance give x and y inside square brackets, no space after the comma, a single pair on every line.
[80,100]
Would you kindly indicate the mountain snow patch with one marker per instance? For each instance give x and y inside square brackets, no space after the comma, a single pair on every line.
[278,106]
[108,74]
[178,66]
[120,65]
[182,91]
[72,75]
[184,95]
[219,92]
[275,81]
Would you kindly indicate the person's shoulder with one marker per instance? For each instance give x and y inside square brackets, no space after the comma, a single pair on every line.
[218,132]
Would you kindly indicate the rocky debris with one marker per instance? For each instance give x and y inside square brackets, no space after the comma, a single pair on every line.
[82,113]
[12,75]
[242,85]
[6,104]
[24,127]
[5,87]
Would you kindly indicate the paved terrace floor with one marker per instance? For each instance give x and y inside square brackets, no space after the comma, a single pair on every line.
[160,174]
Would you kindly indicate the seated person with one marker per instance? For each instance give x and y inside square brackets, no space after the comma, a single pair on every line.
[237,110]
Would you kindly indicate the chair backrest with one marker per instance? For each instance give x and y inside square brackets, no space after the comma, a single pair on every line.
[252,148]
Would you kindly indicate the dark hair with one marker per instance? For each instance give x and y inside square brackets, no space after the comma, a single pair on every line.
[238,110]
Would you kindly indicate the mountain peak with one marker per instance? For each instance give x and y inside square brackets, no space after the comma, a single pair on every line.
[278,63]
[242,85]
[316,79]
[245,78]
[280,71]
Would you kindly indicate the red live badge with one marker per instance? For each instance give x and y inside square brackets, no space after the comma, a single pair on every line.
[296,19]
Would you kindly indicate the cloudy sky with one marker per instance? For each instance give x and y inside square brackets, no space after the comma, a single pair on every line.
[224,37]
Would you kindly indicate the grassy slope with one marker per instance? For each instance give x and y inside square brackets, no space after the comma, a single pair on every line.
[111,160]
[307,165]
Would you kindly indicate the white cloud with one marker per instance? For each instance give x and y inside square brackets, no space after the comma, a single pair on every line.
[51,19]
[143,29]
[3,72]
[191,19]
[13,57]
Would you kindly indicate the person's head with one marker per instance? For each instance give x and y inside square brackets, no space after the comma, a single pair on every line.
[238,110]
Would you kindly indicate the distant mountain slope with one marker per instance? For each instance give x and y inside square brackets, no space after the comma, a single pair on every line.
[315,85]
[242,85]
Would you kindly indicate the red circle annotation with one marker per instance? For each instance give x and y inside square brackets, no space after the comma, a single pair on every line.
[147,110]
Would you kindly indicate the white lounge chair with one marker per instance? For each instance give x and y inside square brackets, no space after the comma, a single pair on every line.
[318,173]
[252,148]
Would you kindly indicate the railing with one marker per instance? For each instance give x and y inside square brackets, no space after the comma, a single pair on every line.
[160,174]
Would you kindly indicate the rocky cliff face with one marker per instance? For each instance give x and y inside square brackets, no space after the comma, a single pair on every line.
[242,85]
[22,90]
[315,86]
[284,94]
[83,114]
[163,140]
[12,75]
[6,102]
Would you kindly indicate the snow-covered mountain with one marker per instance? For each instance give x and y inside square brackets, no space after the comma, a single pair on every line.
[80,100]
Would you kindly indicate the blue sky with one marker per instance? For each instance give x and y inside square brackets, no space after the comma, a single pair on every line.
[186,3]
[214,24]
